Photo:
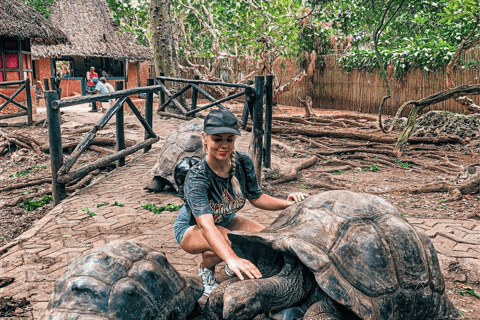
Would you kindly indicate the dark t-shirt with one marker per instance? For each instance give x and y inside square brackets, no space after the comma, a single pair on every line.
[208,193]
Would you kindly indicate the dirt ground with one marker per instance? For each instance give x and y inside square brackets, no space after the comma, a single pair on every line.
[342,163]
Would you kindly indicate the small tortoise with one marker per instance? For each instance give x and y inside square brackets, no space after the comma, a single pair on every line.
[339,255]
[185,142]
[122,280]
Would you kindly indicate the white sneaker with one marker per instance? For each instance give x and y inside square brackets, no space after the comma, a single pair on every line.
[208,280]
[228,271]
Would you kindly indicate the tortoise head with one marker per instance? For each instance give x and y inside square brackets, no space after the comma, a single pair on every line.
[241,300]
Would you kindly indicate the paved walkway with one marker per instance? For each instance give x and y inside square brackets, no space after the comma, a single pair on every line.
[39,256]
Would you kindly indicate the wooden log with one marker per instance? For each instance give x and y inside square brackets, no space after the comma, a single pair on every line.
[174,115]
[29,103]
[13,115]
[146,126]
[99,141]
[16,201]
[248,106]
[177,104]
[178,93]
[10,99]
[258,126]
[236,95]
[268,121]
[100,163]
[149,111]
[100,149]
[162,93]
[373,137]
[70,161]
[26,184]
[195,94]
[107,96]
[11,83]
[83,181]
[120,127]
[292,174]
[197,82]
[207,95]
[55,141]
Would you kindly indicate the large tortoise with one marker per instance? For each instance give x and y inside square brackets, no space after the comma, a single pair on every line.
[341,255]
[185,142]
[122,280]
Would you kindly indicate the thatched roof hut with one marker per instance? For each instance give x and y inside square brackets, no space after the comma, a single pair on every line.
[18,20]
[91,33]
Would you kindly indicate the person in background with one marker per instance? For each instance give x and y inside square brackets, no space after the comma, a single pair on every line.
[39,91]
[66,71]
[103,73]
[100,88]
[109,87]
[90,75]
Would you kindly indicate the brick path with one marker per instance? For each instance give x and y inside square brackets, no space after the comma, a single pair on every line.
[39,256]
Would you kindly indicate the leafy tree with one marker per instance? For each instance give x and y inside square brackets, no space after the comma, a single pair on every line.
[40,6]
[132,17]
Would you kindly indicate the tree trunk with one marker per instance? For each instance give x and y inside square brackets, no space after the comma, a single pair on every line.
[164,54]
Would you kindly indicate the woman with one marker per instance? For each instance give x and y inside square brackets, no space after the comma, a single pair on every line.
[215,189]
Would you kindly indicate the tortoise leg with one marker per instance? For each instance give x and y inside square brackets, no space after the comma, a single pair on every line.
[323,310]
[156,185]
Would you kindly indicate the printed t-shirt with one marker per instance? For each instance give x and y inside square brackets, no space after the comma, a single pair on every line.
[208,193]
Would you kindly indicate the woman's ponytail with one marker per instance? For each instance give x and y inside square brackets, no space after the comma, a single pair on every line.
[237,190]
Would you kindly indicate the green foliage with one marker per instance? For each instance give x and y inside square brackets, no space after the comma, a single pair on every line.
[467,290]
[118,204]
[373,168]
[403,164]
[27,171]
[30,204]
[338,172]
[423,34]
[132,17]
[40,6]
[158,210]
[90,213]
[102,204]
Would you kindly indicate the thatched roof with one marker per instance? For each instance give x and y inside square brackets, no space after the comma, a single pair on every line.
[21,21]
[91,33]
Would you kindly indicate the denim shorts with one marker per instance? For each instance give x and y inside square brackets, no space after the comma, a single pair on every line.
[181,225]
[91,89]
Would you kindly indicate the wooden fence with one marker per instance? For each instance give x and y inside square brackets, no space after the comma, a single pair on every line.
[331,88]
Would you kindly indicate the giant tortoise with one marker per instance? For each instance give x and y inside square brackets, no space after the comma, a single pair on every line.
[341,255]
[122,280]
[186,141]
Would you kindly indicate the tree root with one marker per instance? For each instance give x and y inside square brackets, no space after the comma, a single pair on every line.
[305,139]
[292,174]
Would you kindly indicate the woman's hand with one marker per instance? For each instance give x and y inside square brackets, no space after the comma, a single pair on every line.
[296,197]
[243,266]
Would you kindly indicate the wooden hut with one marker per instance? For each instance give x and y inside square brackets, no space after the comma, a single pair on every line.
[94,40]
[19,25]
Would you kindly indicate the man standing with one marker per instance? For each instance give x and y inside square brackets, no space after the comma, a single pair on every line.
[90,75]
[99,88]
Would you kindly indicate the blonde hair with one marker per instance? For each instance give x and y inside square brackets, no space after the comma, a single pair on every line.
[237,189]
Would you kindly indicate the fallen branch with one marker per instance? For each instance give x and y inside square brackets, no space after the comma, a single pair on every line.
[292,174]
[99,141]
[26,184]
[83,181]
[14,202]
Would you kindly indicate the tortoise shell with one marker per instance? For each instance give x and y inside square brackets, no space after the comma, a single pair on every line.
[363,255]
[185,142]
[122,280]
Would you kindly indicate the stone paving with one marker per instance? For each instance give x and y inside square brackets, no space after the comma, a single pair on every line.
[39,256]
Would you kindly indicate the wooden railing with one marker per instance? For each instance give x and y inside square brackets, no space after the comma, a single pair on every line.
[254,99]
[61,174]
[24,85]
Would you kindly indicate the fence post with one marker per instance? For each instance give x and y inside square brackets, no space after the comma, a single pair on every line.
[46,84]
[268,120]
[149,112]
[162,94]
[248,108]
[83,84]
[29,103]
[194,94]
[119,123]
[55,141]
[257,126]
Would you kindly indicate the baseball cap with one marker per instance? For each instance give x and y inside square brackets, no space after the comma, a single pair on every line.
[94,79]
[221,121]
[103,79]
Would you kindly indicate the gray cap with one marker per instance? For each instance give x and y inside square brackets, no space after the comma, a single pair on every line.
[103,79]
[221,121]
